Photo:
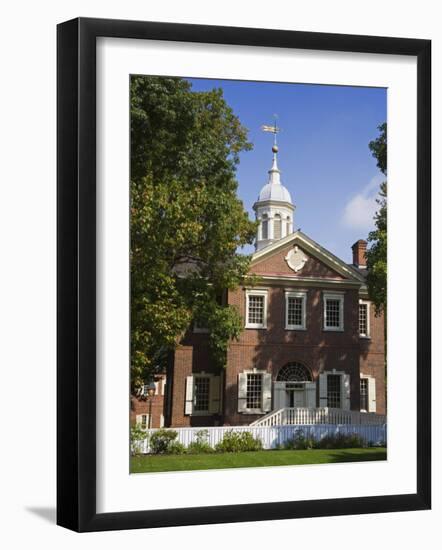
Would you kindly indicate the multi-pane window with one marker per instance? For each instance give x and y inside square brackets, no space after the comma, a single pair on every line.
[364,319]
[295,310]
[254,391]
[334,391]
[256,309]
[201,393]
[333,312]
[277,222]
[143,420]
[363,390]
[264,227]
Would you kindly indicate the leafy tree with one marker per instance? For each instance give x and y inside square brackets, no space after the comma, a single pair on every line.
[377,252]
[186,220]
[378,148]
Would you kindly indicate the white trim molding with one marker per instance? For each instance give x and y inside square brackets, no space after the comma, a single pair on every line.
[310,281]
[315,249]
[257,292]
[142,420]
[214,394]
[371,388]
[339,296]
[296,294]
[345,388]
[266,392]
[367,334]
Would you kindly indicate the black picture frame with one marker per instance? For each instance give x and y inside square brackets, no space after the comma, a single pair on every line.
[77,287]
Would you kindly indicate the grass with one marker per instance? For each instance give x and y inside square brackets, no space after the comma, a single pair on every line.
[171,463]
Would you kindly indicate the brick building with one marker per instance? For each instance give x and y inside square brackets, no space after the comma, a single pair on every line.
[310,339]
[148,410]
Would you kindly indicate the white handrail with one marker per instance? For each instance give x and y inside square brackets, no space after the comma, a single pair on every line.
[318,415]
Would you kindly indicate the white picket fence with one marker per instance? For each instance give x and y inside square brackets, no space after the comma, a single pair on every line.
[272,436]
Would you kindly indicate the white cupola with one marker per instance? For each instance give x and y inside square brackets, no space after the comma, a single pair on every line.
[274,208]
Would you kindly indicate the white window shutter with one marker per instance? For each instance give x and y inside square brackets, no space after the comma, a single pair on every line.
[345,391]
[323,390]
[310,388]
[214,397]
[188,407]
[279,396]
[242,392]
[266,392]
[372,395]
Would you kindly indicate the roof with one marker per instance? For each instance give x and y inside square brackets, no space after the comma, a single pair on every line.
[274,192]
[363,272]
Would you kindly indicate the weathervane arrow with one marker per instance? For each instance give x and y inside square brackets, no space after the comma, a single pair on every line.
[272,129]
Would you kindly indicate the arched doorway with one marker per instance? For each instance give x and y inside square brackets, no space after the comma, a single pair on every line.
[294,387]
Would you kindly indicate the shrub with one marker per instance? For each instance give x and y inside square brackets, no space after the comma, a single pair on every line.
[299,441]
[201,444]
[340,441]
[381,443]
[161,440]
[176,448]
[137,436]
[236,442]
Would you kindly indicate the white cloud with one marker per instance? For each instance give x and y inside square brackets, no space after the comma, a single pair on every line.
[361,208]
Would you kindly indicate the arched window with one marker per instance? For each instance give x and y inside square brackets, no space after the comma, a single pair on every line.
[264,227]
[277,226]
[294,372]
[287,231]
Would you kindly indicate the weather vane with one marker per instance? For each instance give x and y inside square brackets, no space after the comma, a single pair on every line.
[273,129]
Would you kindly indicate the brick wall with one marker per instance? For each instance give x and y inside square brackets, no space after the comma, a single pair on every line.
[271,348]
[141,405]
[191,358]
[372,358]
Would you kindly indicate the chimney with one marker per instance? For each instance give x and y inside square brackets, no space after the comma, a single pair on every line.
[359,249]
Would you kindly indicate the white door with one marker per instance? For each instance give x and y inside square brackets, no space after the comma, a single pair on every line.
[299,398]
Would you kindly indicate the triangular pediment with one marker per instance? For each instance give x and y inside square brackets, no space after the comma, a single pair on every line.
[298,256]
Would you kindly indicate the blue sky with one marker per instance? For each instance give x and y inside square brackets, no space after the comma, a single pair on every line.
[323,153]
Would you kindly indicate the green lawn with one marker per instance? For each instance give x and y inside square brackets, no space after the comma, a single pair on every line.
[170,463]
